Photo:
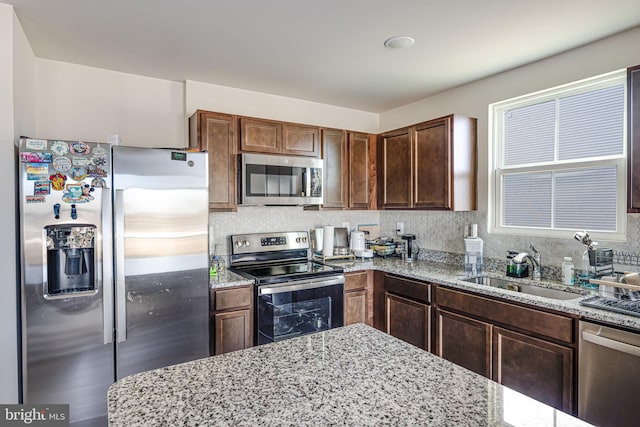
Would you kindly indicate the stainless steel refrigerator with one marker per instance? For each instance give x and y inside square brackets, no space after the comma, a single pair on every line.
[114,267]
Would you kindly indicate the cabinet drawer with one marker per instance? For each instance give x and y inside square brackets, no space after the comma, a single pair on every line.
[409,288]
[538,322]
[226,299]
[355,281]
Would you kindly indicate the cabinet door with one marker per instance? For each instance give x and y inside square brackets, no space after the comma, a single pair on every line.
[633,137]
[432,165]
[464,341]
[232,331]
[396,173]
[540,369]
[360,164]
[355,307]
[300,140]
[262,136]
[334,154]
[408,320]
[217,134]
[356,281]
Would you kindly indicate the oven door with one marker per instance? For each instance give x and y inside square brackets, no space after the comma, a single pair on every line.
[291,309]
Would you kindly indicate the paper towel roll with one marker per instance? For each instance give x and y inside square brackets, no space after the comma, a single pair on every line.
[327,240]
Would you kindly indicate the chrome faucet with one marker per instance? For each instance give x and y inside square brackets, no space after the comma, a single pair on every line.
[536,261]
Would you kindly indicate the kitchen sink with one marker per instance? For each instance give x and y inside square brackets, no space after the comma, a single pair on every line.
[510,285]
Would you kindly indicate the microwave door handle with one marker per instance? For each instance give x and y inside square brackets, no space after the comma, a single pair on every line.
[305,182]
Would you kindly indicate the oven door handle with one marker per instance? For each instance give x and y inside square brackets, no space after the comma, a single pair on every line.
[300,285]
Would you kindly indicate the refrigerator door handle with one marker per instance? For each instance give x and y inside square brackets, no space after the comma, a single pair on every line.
[121,299]
[107,269]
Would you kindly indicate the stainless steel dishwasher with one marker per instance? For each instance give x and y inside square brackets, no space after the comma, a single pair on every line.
[608,376]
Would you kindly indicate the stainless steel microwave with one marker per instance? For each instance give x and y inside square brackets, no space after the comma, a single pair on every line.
[268,179]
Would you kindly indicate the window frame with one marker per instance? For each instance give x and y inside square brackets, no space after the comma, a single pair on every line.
[496,169]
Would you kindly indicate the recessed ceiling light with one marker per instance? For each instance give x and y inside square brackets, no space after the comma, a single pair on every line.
[399,42]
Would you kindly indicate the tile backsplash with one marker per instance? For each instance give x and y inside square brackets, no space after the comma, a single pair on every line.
[262,219]
[435,231]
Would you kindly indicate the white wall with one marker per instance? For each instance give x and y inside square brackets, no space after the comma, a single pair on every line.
[224,99]
[613,53]
[76,102]
[24,92]
[10,34]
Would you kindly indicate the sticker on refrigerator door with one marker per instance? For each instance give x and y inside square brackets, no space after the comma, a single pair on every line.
[30,157]
[77,193]
[37,171]
[36,144]
[96,171]
[41,188]
[98,182]
[78,173]
[99,151]
[80,161]
[59,148]
[34,199]
[98,161]
[58,181]
[61,164]
[80,148]
[72,193]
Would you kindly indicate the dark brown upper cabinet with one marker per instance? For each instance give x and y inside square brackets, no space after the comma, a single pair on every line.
[362,171]
[334,154]
[431,165]
[349,169]
[300,140]
[262,136]
[273,137]
[217,134]
[633,138]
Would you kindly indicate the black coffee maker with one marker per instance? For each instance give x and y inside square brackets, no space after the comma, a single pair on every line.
[410,253]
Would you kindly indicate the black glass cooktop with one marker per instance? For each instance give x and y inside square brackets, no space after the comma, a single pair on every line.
[286,271]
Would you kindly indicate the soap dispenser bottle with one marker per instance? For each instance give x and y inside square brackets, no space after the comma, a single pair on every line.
[473,247]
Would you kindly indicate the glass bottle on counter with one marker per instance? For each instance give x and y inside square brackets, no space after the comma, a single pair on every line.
[222,265]
[567,271]
[213,266]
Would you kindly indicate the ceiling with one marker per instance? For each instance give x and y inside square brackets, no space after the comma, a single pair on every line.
[328,51]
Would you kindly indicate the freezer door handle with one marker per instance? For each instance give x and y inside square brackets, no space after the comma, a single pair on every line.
[121,296]
[612,344]
[107,269]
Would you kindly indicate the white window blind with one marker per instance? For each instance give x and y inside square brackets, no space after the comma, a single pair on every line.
[558,160]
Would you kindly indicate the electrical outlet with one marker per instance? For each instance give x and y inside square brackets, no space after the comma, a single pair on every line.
[399,227]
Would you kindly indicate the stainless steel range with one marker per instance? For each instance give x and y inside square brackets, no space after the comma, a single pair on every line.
[294,296]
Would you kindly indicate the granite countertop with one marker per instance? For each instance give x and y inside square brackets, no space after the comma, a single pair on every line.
[450,275]
[354,375]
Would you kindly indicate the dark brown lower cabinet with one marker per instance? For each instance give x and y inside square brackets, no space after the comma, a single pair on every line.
[355,307]
[528,350]
[464,341]
[408,320]
[358,290]
[232,330]
[540,369]
[231,317]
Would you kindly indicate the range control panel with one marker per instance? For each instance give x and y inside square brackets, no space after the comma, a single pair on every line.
[269,242]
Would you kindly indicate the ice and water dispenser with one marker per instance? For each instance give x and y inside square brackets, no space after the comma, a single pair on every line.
[70,259]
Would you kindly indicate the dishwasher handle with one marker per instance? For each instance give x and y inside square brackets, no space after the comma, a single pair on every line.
[612,344]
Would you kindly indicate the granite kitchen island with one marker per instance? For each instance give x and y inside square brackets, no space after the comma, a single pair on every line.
[354,376]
